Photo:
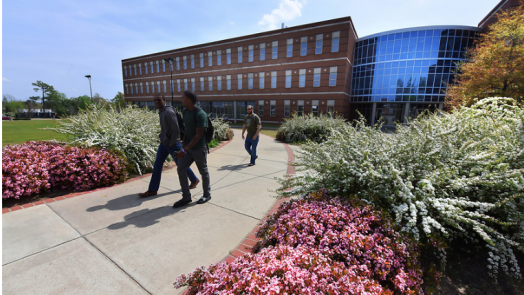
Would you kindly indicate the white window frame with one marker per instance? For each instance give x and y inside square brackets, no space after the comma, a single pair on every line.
[273,108]
[274,50]
[335,41]
[314,111]
[300,107]
[239,54]
[192,61]
[333,76]
[165,86]
[273,79]
[193,84]
[319,43]
[202,60]
[219,57]
[239,81]
[210,59]
[303,46]
[163,65]
[288,78]
[178,85]
[250,56]
[261,80]
[184,58]
[262,51]
[287,107]
[250,81]
[228,82]
[261,108]
[178,63]
[289,48]
[219,83]
[210,83]
[316,77]
[202,84]
[228,56]
[302,78]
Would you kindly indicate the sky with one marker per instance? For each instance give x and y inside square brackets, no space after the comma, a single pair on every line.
[60,41]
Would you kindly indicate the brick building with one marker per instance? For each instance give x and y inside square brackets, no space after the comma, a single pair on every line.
[300,69]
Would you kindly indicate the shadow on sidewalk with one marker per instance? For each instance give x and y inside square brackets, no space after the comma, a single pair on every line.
[128,201]
[138,218]
[232,167]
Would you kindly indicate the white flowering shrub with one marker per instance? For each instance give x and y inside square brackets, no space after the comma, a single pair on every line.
[452,176]
[222,130]
[309,127]
[131,131]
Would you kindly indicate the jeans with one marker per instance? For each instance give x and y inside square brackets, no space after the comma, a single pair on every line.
[199,156]
[161,155]
[251,148]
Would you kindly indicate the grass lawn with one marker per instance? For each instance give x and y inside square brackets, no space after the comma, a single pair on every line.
[272,133]
[16,132]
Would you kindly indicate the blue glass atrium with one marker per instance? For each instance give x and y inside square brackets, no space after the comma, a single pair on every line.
[397,74]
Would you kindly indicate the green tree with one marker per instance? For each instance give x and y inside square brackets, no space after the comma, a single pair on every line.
[119,101]
[58,102]
[11,105]
[83,101]
[495,67]
[46,90]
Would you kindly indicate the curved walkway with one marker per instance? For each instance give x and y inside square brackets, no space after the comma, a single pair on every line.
[110,241]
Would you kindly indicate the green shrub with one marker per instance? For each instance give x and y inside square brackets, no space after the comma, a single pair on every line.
[222,130]
[132,132]
[309,127]
[442,176]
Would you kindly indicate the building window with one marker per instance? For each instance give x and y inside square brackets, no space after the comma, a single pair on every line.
[240,54]
[261,80]
[332,76]
[178,85]
[274,50]
[288,79]
[127,89]
[303,46]
[185,85]
[219,57]
[262,51]
[185,62]
[314,108]
[318,44]
[228,56]
[272,110]
[219,83]
[141,88]
[145,67]
[250,53]
[140,69]
[316,77]
[300,110]
[201,83]
[302,78]
[289,50]
[193,84]
[163,65]
[134,67]
[239,81]
[178,64]
[228,82]
[201,60]
[210,59]
[151,67]
[165,86]
[147,87]
[261,108]
[172,85]
[286,108]
[136,85]
[250,81]
[192,61]
[210,83]
[335,41]
[274,79]
[330,106]
[157,67]
[125,71]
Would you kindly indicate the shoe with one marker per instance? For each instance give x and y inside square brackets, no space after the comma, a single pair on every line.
[147,194]
[181,203]
[203,200]
[251,164]
[194,184]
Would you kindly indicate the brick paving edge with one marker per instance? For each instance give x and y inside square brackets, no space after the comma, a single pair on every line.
[71,195]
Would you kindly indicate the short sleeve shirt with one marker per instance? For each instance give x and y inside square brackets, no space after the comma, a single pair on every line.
[251,123]
[189,123]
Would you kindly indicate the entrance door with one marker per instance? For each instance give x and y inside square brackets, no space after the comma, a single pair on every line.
[389,113]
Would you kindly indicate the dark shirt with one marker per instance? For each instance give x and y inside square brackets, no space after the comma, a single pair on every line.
[169,130]
[189,122]
[251,123]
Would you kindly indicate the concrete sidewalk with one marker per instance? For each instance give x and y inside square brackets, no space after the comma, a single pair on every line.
[113,242]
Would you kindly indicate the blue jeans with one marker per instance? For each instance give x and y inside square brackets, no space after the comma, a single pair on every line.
[161,155]
[251,148]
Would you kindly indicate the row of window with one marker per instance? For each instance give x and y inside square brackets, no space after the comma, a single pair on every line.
[399,97]
[184,83]
[136,69]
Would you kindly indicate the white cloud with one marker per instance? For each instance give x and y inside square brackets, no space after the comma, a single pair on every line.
[5,79]
[287,10]
[232,23]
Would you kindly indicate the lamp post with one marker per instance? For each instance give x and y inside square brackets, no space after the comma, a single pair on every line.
[43,101]
[170,61]
[91,90]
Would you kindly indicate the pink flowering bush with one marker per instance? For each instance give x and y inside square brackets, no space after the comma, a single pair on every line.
[281,270]
[351,233]
[33,167]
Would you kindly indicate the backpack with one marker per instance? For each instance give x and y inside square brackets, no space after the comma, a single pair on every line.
[210,130]
[181,125]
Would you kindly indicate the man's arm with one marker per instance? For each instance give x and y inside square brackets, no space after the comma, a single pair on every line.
[174,130]
[259,126]
[199,133]
[243,130]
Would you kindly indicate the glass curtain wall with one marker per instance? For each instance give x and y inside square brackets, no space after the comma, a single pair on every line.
[393,71]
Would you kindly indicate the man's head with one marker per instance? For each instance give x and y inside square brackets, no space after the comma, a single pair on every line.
[189,99]
[250,110]
[159,101]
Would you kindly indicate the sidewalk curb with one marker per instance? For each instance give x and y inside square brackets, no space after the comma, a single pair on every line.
[71,195]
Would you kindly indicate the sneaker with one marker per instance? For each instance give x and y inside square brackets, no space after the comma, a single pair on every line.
[203,200]
[181,203]
[147,194]
[250,164]
[194,184]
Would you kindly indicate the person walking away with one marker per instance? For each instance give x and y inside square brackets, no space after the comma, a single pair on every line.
[170,143]
[253,126]
[194,150]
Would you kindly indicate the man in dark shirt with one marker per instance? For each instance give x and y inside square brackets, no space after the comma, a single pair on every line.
[169,144]
[253,125]
[194,150]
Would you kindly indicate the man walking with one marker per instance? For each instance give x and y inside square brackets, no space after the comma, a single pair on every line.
[252,124]
[169,145]
[194,149]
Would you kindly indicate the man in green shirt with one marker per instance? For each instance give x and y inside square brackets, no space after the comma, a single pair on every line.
[194,149]
[253,125]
